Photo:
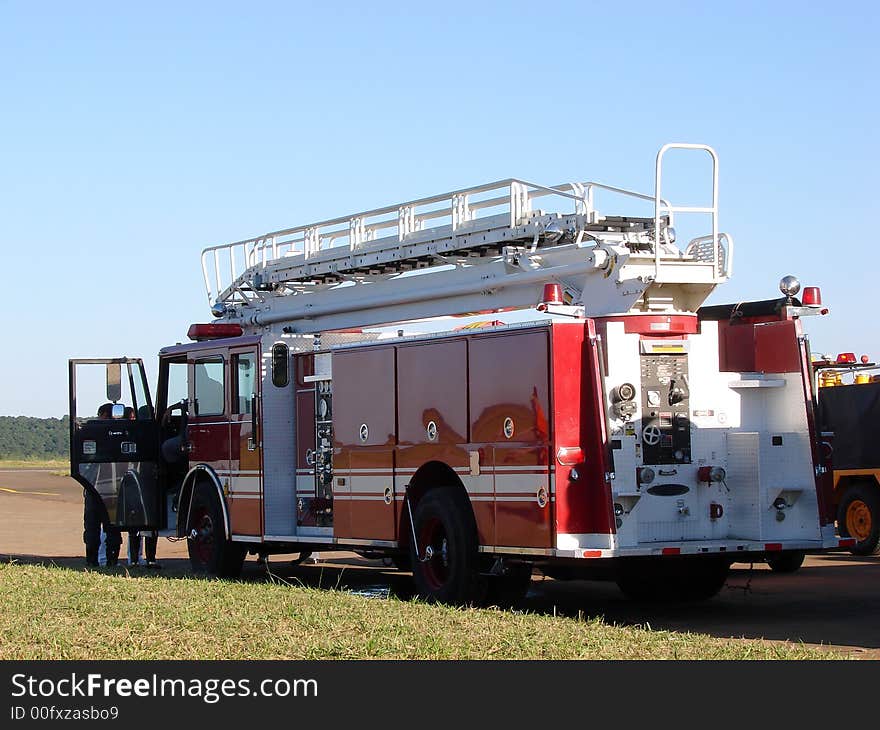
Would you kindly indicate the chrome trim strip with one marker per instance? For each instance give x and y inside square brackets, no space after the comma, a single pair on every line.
[515,550]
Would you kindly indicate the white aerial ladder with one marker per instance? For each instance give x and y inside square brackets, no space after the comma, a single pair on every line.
[483,248]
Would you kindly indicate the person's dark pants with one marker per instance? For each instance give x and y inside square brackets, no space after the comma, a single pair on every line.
[94,515]
[150,543]
[134,547]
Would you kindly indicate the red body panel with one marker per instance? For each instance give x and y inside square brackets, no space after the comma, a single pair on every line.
[758,345]
[430,388]
[364,396]
[509,378]
[584,505]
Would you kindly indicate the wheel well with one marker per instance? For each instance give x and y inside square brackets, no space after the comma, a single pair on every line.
[851,480]
[430,476]
[198,475]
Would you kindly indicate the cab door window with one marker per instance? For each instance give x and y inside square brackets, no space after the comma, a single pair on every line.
[177,383]
[244,366]
[209,392]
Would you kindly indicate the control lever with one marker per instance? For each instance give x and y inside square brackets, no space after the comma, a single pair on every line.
[677,394]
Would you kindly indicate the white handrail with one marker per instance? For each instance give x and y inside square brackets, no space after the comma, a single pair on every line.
[310,240]
[660,205]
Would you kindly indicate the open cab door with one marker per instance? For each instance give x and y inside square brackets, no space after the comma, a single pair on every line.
[114,439]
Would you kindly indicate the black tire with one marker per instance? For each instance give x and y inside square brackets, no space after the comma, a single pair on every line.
[787,562]
[446,570]
[210,553]
[508,589]
[695,578]
[858,516]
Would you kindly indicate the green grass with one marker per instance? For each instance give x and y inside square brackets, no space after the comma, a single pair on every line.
[62,465]
[55,613]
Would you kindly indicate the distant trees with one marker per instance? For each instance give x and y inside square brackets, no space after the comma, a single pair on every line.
[23,437]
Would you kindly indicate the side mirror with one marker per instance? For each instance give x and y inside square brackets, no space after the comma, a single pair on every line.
[114,383]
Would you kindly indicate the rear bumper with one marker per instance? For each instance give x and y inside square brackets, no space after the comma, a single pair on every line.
[708,547]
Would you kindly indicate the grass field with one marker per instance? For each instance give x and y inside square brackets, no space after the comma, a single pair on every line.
[61,465]
[55,613]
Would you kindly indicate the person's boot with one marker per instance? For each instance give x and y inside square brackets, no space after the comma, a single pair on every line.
[92,557]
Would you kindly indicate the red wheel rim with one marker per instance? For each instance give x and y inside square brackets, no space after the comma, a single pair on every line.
[435,553]
[203,542]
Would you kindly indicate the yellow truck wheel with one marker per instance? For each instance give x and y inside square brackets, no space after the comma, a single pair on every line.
[858,516]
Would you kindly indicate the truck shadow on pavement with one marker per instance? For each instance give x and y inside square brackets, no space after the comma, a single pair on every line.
[832,600]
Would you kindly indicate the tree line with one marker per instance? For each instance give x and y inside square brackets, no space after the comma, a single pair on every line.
[24,437]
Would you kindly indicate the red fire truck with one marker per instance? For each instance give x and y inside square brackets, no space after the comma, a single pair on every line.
[619,430]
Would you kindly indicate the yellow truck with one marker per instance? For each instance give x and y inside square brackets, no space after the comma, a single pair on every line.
[849,421]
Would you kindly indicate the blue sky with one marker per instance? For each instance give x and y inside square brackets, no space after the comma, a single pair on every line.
[134,136]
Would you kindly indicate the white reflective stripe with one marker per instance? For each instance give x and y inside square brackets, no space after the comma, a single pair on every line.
[358,498]
[245,496]
[532,469]
[519,483]
[585,541]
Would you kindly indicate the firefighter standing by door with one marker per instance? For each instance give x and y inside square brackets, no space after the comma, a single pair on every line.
[95,516]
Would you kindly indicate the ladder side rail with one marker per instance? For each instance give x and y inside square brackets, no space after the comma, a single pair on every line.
[577,194]
[590,184]
[660,205]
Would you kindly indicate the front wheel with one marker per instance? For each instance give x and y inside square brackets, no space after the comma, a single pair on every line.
[209,551]
[444,563]
[858,516]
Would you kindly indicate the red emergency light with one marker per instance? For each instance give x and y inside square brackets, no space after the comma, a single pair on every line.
[865,359]
[811,297]
[213,331]
[552,294]
[845,358]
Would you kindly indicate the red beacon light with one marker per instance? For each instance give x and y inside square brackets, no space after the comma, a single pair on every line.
[865,359]
[213,331]
[846,358]
[552,295]
[812,296]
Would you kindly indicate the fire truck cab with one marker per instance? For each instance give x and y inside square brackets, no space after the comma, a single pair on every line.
[621,430]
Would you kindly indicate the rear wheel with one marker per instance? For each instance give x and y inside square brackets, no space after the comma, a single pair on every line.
[669,579]
[858,516]
[209,551]
[445,566]
[787,562]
